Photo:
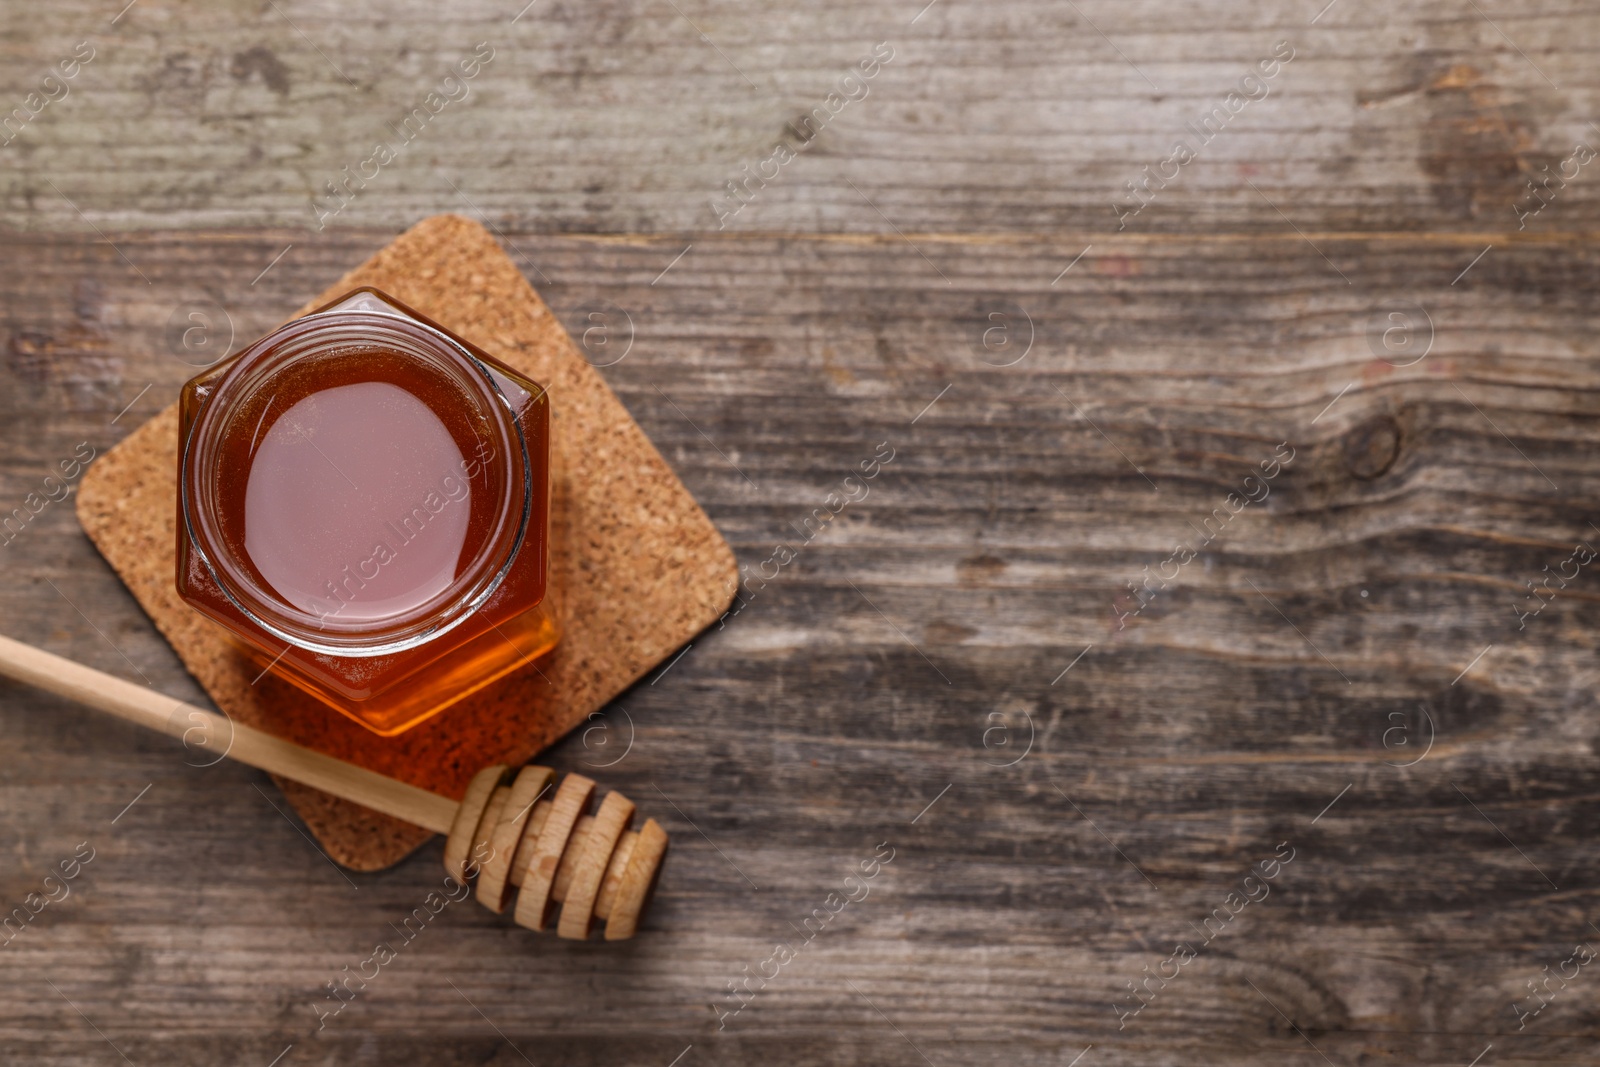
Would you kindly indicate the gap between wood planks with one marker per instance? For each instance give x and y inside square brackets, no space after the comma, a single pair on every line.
[1466,238]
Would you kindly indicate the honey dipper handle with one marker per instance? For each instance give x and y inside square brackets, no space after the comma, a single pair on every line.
[214,736]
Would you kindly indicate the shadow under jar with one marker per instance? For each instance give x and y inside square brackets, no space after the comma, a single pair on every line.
[365,507]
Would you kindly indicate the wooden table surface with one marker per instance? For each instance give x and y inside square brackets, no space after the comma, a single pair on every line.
[1216,656]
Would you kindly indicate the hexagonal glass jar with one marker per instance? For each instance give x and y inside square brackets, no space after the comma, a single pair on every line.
[364,506]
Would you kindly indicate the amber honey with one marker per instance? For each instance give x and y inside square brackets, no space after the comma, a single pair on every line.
[365,506]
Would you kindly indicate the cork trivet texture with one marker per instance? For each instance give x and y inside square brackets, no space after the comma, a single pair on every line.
[645,569]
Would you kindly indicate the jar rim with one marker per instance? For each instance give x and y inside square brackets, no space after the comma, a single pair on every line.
[309,337]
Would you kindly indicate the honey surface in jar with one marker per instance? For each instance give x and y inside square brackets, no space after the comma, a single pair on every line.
[357,497]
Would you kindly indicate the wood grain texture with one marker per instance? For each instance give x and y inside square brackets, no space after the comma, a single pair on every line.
[995,117]
[924,634]
[907,649]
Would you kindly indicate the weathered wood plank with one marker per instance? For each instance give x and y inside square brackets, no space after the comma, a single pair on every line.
[999,117]
[1286,662]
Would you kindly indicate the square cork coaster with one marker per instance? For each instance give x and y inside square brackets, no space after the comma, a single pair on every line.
[645,568]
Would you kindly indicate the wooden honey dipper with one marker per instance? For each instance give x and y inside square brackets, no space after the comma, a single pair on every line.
[504,831]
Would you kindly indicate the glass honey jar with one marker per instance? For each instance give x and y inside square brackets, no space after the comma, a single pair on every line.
[364,506]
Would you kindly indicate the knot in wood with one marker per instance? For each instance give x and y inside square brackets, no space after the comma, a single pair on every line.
[1371,448]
